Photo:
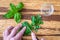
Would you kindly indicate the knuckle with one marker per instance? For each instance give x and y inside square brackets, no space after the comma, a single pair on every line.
[12,39]
[15,29]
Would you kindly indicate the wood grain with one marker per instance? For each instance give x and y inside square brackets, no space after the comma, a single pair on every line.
[50,30]
[39,37]
[38,9]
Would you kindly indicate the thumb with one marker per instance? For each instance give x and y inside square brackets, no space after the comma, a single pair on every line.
[33,36]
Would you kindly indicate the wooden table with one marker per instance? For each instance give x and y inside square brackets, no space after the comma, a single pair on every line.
[50,29]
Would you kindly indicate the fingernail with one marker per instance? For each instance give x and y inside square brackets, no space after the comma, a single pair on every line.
[32,33]
[20,24]
[33,36]
[24,27]
[10,27]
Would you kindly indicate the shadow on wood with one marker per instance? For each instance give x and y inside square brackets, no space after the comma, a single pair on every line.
[28,17]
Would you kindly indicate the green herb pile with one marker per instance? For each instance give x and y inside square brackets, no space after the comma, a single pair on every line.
[14,12]
[35,24]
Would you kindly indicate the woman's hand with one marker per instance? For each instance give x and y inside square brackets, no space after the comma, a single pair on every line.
[11,33]
[34,37]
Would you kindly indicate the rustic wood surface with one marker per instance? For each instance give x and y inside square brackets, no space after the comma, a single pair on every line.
[50,30]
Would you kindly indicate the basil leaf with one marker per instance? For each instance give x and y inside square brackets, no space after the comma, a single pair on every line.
[36,21]
[33,19]
[13,8]
[39,19]
[9,14]
[17,17]
[36,28]
[28,27]
[20,6]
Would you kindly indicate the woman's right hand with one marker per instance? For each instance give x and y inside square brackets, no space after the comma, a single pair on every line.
[34,37]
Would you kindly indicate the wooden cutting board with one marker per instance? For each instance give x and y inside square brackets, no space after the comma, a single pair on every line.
[50,29]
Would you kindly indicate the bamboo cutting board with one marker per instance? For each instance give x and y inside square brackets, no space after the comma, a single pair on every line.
[50,29]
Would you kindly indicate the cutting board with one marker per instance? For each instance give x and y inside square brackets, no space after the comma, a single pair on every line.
[50,30]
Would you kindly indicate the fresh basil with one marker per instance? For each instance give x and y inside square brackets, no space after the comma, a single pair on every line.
[28,27]
[9,14]
[33,19]
[39,19]
[13,8]
[36,21]
[20,6]
[35,24]
[17,17]
[14,12]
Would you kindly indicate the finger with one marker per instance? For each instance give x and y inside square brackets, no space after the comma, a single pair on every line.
[14,31]
[6,32]
[33,36]
[19,35]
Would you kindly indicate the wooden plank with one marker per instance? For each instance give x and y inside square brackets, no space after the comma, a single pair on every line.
[27,15]
[48,28]
[28,4]
[39,37]
[1,38]
[50,20]
[53,1]
[32,12]
[29,1]
[36,7]
[45,37]
[43,32]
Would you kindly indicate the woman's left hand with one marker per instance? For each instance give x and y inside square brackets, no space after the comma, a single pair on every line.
[11,33]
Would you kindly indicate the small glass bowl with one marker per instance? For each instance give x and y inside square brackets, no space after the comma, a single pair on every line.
[47,9]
